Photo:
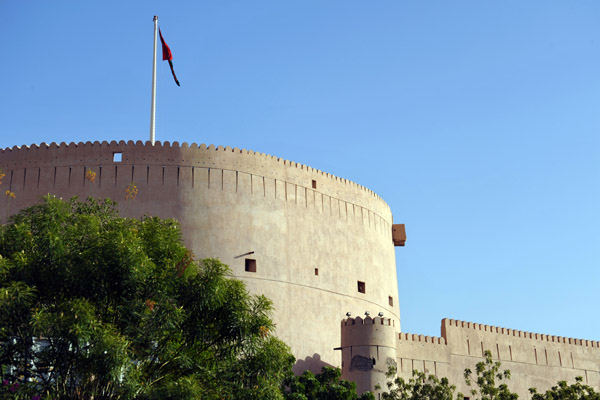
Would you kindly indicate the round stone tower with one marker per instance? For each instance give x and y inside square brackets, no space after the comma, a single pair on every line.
[368,350]
[317,245]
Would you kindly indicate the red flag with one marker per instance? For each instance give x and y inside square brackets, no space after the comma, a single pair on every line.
[167,55]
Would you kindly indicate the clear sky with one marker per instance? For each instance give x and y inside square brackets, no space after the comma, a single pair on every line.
[477,121]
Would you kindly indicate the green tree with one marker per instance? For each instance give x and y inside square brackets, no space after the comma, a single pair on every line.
[419,387]
[564,391]
[487,372]
[93,305]
[324,386]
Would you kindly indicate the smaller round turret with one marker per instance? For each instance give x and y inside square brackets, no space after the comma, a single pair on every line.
[368,350]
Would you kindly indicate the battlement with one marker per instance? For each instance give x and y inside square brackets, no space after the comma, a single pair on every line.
[367,321]
[103,153]
[516,333]
[415,338]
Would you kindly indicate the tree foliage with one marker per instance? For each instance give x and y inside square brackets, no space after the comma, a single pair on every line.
[97,306]
[324,386]
[419,387]
[564,391]
[487,372]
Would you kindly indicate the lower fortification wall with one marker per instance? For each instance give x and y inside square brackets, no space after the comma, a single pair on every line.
[535,360]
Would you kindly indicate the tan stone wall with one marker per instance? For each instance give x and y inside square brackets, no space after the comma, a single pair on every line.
[535,360]
[231,202]
[368,349]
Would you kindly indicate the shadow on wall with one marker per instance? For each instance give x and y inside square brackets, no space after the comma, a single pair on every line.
[314,364]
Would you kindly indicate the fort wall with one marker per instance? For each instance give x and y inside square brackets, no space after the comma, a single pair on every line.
[535,360]
[312,236]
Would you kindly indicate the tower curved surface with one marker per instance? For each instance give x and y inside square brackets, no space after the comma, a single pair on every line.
[316,244]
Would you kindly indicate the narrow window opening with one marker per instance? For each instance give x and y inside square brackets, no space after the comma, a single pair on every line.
[316,271]
[314,184]
[250,265]
[391,301]
[117,157]
[361,287]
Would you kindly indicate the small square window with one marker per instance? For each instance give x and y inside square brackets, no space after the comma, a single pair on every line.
[314,184]
[316,271]
[361,287]
[391,301]
[250,265]
[117,157]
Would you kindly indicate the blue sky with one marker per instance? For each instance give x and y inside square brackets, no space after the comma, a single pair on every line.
[476,121]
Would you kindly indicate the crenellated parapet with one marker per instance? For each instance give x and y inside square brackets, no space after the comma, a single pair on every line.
[415,338]
[517,333]
[40,168]
[367,321]
[160,152]
[368,331]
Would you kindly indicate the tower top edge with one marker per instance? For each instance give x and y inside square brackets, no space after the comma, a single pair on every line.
[122,145]
[517,333]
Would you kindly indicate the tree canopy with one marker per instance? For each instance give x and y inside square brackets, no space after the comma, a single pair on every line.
[93,305]
[420,387]
[564,391]
[324,386]
[487,372]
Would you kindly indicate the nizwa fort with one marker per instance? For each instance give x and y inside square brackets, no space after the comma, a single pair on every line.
[318,245]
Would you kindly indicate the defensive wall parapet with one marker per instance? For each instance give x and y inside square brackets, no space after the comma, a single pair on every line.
[472,339]
[33,167]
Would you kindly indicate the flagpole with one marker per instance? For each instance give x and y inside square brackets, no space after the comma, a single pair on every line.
[153,108]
